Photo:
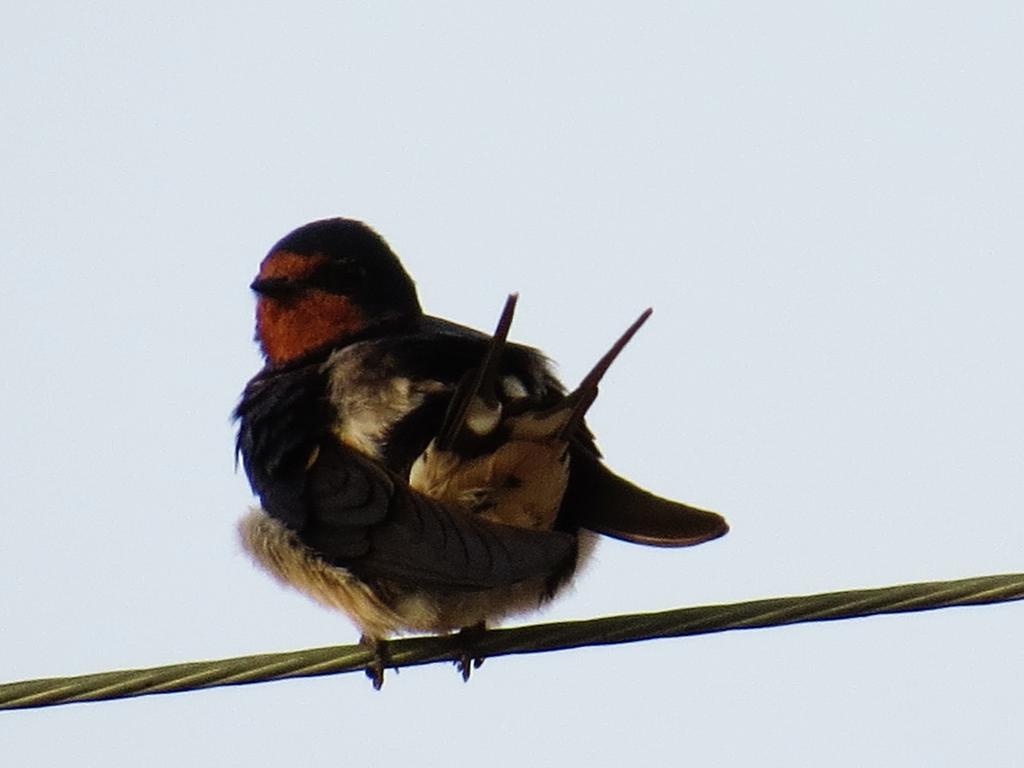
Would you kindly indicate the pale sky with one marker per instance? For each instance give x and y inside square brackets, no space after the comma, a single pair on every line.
[822,202]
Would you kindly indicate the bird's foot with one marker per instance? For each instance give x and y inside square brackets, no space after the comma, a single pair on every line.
[375,669]
[469,659]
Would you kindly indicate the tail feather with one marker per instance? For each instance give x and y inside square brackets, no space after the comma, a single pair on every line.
[479,386]
[586,393]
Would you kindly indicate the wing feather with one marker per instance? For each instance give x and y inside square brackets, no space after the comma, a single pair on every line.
[366,519]
[601,501]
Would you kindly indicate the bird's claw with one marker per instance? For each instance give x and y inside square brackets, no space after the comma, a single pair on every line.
[469,659]
[375,669]
[466,664]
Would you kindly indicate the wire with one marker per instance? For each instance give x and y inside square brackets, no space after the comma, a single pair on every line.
[530,639]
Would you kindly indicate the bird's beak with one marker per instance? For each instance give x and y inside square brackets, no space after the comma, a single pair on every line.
[275,287]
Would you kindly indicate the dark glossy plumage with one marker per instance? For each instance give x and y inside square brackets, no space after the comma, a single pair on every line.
[330,429]
[360,514]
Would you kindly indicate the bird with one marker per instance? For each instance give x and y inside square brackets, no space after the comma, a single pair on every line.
[416,474]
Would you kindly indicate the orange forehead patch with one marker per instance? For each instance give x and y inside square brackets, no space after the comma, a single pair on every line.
[287,264]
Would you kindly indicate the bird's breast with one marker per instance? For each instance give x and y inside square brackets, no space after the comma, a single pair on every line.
[370,396]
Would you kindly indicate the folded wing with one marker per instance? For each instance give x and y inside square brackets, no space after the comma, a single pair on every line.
[366,519]
[603,502]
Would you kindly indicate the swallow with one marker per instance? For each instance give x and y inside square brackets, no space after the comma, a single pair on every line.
[416,474]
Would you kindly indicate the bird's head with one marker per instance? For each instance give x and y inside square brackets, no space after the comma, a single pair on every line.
[325,282]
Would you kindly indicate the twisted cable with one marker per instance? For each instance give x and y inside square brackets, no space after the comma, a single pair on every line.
[537,638]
